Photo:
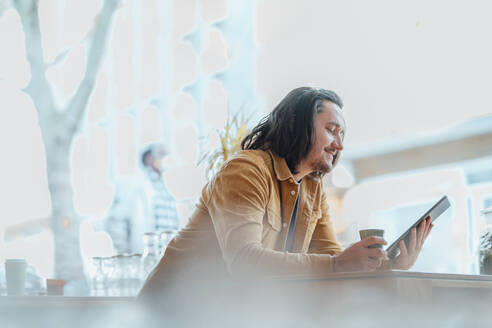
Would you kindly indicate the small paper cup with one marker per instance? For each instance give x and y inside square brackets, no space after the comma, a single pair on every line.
[15,271]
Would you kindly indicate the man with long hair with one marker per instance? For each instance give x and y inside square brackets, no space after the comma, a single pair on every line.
[265,213]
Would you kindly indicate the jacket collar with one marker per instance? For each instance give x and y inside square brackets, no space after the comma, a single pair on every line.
[281,169]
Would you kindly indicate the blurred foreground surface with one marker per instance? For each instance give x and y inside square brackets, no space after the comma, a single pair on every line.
[356,300]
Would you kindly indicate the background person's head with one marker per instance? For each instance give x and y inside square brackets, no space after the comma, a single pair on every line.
[152,156]
[289,130]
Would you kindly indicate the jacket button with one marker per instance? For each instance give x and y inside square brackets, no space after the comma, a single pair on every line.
[284,225]
[292,192]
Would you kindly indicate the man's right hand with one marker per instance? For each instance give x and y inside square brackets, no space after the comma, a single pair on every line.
[358,257]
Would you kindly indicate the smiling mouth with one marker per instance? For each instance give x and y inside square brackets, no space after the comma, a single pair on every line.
[331,152]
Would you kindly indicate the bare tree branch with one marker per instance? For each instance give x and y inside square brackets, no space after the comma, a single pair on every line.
[4,5]
[60,57]
[38,87]
[58,127]
[97,47]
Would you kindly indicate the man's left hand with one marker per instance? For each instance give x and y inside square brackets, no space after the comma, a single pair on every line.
[408,255]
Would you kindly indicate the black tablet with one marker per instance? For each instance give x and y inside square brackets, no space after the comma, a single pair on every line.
[434,212]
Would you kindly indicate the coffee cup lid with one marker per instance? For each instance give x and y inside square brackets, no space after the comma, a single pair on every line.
[15,260]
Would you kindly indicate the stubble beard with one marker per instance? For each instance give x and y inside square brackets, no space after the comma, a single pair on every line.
[321,166]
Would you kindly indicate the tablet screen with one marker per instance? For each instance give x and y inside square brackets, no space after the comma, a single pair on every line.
[434,212]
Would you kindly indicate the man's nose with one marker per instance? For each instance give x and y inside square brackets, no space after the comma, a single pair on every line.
[338,143]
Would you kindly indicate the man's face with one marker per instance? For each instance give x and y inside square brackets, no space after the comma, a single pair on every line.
[329,127]
[153,163]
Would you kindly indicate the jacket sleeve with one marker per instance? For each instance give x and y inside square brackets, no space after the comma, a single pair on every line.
[238,197]
[324,240]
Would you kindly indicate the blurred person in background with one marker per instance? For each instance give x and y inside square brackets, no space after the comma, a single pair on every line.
[142,204]
[162,203]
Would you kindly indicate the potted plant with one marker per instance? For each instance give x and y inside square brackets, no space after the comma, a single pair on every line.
[230,137]
[485,248]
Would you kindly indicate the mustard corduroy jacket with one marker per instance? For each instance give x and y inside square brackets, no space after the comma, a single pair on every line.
[241,223]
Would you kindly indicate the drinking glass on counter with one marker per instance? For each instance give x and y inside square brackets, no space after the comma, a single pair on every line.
[118,275]
[152,253]
[109,269]
[128,274]
[124,274]
[165,237]
[135,269]
[97,276]
[101,273]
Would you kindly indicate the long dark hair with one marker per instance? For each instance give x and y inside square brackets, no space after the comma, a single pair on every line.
[288,130]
